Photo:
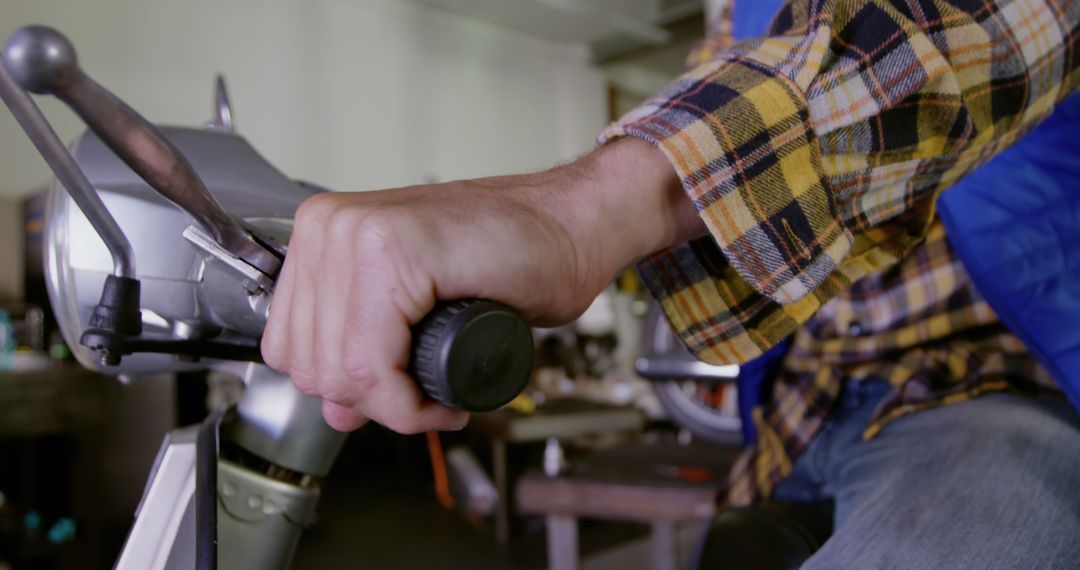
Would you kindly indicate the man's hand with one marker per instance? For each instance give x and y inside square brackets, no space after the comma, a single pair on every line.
[363,267]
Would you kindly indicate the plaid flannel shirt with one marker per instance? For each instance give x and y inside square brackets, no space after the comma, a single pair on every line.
[814,156]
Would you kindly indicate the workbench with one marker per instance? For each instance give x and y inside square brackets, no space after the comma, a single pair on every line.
[561,419]
[662,484]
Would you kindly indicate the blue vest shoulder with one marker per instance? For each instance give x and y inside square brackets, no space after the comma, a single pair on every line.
[1015,223]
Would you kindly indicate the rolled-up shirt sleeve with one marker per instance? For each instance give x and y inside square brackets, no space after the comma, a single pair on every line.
[814,155]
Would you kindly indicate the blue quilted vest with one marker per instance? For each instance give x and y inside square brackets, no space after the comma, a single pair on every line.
[1015,223]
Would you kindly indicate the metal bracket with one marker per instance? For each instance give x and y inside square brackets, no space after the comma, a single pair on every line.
[251,497]
[253,280]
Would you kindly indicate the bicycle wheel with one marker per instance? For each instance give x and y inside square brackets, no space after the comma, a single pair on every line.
[702,398]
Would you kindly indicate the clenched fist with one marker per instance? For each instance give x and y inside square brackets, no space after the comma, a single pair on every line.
[363,267]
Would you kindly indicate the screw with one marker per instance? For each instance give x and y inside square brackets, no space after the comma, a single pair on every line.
[107,358]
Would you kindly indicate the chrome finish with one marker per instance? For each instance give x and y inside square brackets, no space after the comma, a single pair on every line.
[253,280]
[60,161]
[223,113]
[673,367]
[180,282]
[45,62]
[189,330]
[228,300]
[277,422]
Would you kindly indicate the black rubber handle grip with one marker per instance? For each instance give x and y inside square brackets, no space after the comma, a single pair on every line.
[472,354]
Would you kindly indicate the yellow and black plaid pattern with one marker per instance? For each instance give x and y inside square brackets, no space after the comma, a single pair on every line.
[814,157]
[920,325]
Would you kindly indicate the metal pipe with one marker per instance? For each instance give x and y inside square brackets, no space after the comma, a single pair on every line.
[278,423]
[671,367]
[54,152]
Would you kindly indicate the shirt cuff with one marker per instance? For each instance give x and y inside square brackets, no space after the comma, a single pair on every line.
[739,136]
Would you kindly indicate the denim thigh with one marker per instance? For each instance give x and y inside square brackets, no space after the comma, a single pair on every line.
[993,482]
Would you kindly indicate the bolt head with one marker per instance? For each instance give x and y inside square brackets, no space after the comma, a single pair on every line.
[108,358]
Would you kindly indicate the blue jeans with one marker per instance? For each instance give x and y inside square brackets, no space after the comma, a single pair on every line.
[993,482]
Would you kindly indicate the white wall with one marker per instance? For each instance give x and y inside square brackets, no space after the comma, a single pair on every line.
[351,94]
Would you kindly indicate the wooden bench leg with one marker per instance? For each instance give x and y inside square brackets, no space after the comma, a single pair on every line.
[562,543]
[665,550]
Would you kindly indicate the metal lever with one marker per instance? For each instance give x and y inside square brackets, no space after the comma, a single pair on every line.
[43,61]
[69,174]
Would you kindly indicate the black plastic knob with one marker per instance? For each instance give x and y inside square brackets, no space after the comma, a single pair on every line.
[472,354]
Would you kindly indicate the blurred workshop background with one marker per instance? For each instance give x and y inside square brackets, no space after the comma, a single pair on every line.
[593,465]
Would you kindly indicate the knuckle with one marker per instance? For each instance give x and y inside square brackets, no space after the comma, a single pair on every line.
[375,234]
[307,388]
[304,378]
[340,393]
[315,208]
[344,223]
[358,370]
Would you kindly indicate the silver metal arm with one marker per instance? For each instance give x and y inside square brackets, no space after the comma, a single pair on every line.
[43,61]
[54,152]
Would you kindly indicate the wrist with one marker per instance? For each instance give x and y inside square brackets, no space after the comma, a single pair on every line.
[630,204]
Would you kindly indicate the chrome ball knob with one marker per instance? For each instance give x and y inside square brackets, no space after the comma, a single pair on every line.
[40,59]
